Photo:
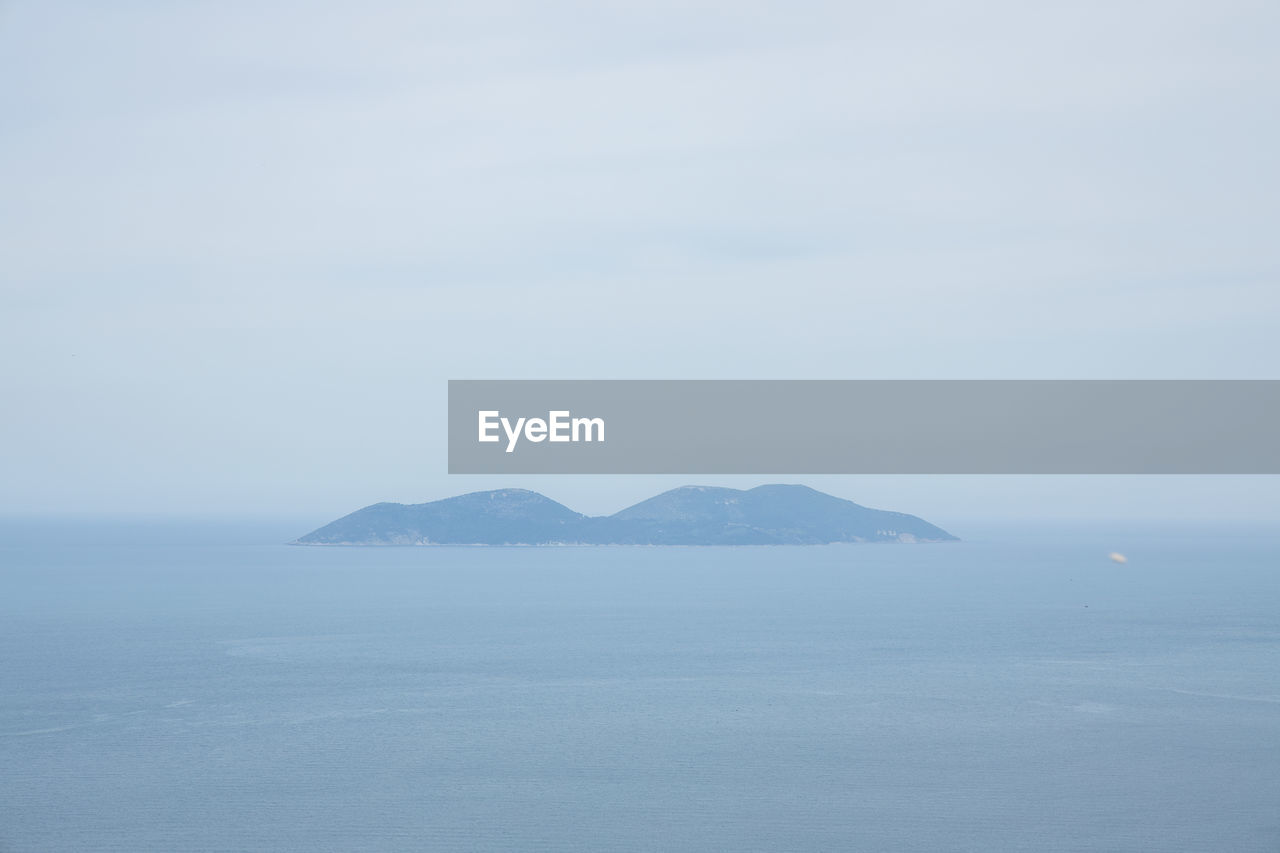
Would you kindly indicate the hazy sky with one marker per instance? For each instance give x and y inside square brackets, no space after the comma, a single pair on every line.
[243,245]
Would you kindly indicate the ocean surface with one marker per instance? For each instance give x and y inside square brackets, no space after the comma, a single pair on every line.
[211,689]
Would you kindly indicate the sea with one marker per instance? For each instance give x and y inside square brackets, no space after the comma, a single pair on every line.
[207,687]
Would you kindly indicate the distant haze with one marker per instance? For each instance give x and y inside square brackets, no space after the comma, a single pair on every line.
[243,246]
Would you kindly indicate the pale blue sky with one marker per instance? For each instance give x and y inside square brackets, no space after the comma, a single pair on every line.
[244,245]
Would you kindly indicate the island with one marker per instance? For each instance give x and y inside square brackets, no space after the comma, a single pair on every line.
[690,515]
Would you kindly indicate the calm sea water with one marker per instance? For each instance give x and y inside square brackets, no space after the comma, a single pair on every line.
[1017,691]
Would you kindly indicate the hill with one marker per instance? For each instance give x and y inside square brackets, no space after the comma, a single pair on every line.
[690,515]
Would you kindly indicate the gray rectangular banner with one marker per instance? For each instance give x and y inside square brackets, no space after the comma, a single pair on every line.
[864,426]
